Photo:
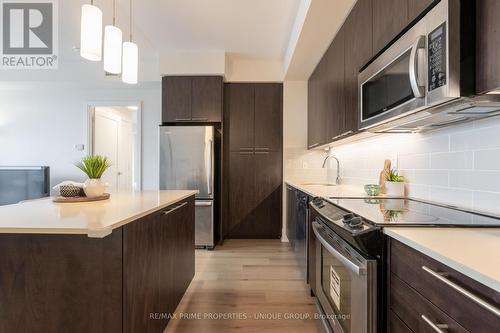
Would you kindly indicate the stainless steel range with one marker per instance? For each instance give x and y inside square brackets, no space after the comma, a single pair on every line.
[350,265]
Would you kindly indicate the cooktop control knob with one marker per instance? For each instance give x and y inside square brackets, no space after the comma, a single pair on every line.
[348,217]
[352,221]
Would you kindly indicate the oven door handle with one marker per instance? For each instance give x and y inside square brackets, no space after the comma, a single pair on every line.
[418,90]
[346,262]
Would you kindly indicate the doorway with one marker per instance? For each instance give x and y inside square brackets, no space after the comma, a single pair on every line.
[114,132]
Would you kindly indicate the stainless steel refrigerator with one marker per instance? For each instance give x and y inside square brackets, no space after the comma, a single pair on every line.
[187,162]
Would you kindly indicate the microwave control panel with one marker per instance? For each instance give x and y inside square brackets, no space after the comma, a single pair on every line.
[436,51]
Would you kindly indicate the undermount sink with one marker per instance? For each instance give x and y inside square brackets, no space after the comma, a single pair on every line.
[318,184]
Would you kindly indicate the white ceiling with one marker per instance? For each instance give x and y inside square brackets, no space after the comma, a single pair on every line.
[258,28]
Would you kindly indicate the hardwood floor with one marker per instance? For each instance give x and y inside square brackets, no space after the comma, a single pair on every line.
[242,280]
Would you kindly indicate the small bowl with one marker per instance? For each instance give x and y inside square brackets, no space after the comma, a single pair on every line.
[372,189]
[69,191]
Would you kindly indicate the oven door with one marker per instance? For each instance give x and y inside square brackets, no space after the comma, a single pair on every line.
[345,284]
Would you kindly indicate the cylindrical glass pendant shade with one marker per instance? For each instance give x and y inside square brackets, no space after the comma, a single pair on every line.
[130,63]
[112,49]
[91,33]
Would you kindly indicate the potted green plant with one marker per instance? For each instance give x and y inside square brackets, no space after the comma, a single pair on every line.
[94,167]
[394,184]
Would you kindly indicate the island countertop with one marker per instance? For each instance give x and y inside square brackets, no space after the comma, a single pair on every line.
[95,219]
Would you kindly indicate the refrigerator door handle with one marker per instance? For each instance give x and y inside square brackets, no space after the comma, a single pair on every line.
[210,168]
[203,203]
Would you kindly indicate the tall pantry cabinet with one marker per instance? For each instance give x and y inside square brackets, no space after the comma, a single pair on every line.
[253,117]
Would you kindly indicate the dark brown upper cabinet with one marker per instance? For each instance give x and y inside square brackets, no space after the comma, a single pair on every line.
[176,98]
[335,112]
[255,116]
[206,98]
[268,119]
[317,105]
[240,105]
[192,98]
[417,7]
[358,50]
[390,17]
[487,45]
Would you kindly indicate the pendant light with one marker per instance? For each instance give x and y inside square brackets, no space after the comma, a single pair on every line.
[113,46]
[91,32]
[130,58]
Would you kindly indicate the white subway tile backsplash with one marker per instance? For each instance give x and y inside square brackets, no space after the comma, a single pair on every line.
[476,180]
[453,160]
[487,159]
[458,165]
[486,202]
[480,138]
[408,161]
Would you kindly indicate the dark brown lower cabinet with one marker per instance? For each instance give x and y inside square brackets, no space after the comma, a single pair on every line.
[129,281]
[419,297]
[255,195]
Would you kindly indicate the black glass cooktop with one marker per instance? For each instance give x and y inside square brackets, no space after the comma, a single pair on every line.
[408,212]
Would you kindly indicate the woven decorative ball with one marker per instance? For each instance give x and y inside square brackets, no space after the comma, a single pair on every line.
[68,191]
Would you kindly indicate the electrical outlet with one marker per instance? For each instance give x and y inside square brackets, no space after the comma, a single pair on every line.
[394,161]
[305,165]
[80,147]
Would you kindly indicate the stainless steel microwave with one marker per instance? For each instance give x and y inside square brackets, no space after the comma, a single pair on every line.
[432,65]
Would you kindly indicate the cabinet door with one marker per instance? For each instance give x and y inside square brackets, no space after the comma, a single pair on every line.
[390,17]
[177,260]
[358,51]
[335,110]
[268,195]
[317,104]
[240,107]
[141,272]
[206,98]
[241,198]
[416,7]
[487,45]
[176,98]
[268,116]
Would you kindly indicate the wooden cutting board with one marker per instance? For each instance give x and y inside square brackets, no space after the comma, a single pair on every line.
[60,199]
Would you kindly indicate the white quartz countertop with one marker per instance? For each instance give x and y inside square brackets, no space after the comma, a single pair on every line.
[95,219]
[470,251]
[318,190]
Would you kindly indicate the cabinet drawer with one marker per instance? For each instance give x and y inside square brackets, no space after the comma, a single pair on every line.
[438,283]
[416,312]
[396,325]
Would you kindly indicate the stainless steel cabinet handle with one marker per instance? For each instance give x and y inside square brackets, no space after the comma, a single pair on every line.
[246,148]
[314,145]
[438,328]
[246,152]
[200,119]
[182,119]
[261,148]
[262,152]
[493,309]
[210,169]
[168,211]
[346,133]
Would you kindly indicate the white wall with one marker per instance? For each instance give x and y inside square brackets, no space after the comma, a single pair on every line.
[41,122]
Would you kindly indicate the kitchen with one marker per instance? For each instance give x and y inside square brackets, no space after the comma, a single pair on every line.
[333,167]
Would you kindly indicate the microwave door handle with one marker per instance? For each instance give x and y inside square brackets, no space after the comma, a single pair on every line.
[418,90]
[346,262]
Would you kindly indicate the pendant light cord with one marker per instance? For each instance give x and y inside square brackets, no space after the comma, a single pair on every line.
[114,13]
[130,4]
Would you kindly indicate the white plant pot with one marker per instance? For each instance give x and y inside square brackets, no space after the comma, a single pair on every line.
[395,189]
[94,188]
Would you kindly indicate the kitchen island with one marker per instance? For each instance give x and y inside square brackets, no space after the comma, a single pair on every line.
[119,265]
